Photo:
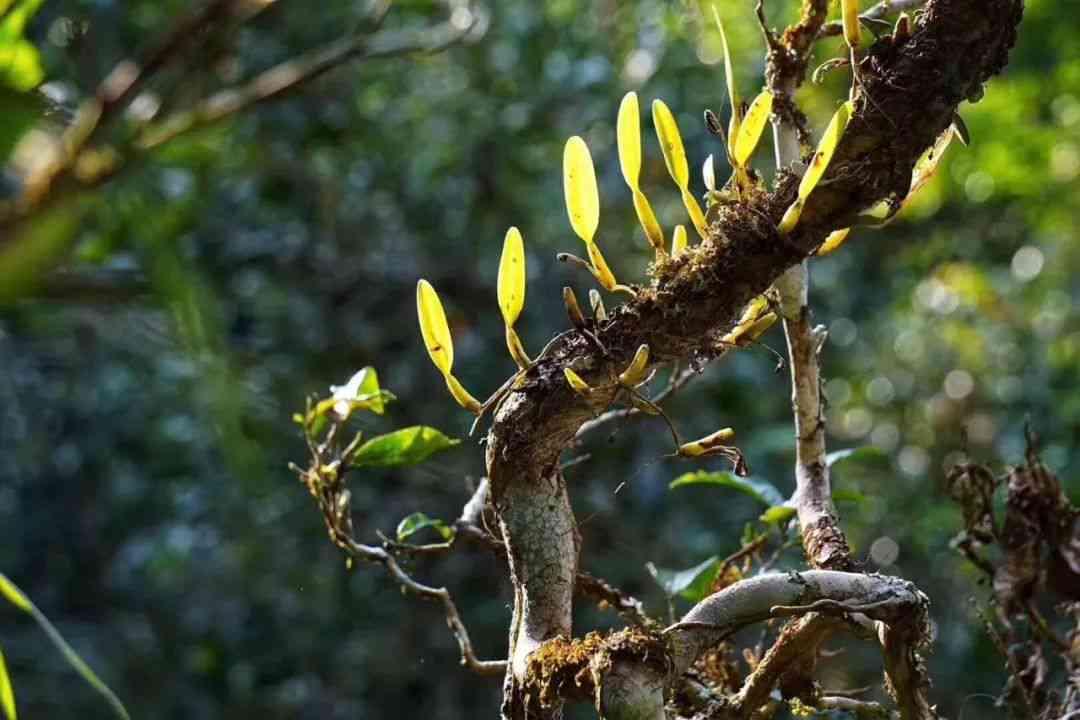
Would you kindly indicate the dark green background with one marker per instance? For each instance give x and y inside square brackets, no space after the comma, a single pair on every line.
[145,502]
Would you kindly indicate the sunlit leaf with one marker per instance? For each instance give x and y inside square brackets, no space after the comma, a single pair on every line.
[14,595]
[678,240]
[752,126]
[418,521]
[576,383]
[601,271]
[692,584]
[819,163]
[825,149]
[850,12]
[704,445]
[697,217]
[363,392]
[708,173]
[763,492]
[834,240]
[7,692]
[406,446]
[671,144]
[511,286]
[927,164]
[653,233]
[635,371]
[434,328]
[579,186]
[461,395]
[628,132]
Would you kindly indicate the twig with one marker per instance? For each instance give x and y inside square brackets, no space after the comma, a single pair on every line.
[677,381]
[368,553]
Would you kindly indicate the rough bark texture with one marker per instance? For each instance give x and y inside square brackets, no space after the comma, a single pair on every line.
[916,87]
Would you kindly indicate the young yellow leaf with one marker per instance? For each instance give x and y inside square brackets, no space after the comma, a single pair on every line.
[751,127]
[576,383]
[697,217]
[464,399]
[751,313]
[678,240]
[517,350]
[579,186]
[635,371]
[434,328]
[791,217]
[759,326]
[653,233]
[671,144]
[850,10]
[825,149]
[511,288]
[729,77]
[600,268]
[927,164]
[833,241]
[707,443]
[7,692]
[628,132]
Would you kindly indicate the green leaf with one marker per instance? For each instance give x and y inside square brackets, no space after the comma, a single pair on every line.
[407,446]
[19,599]
[35,246]
[866,453]
[418,521]
[777,514]
[848,496]
[7,692]
[765,493]
[692,584]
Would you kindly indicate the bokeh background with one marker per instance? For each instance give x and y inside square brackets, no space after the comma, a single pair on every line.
[146,388]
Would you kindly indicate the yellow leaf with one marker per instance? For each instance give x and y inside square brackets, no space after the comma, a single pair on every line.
[751,127]
[671,144]
[14,595]
[517,350]
[579,185]
[751,313]
[511,288]
[678,240]
[597,303]
[850,10]
[600,268]
[825,149]
[7,692]
[653,233]
[635,371]
[705,444]
[729,77]
[464,399]
[434,328]
[697,217]
[576,383]
[628,132]
[927,163]
[833,241]
[791,217]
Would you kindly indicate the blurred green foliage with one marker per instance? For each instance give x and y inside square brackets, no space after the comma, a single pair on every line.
[146,385]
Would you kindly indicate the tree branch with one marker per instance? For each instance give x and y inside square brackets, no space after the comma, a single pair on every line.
[955,47]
